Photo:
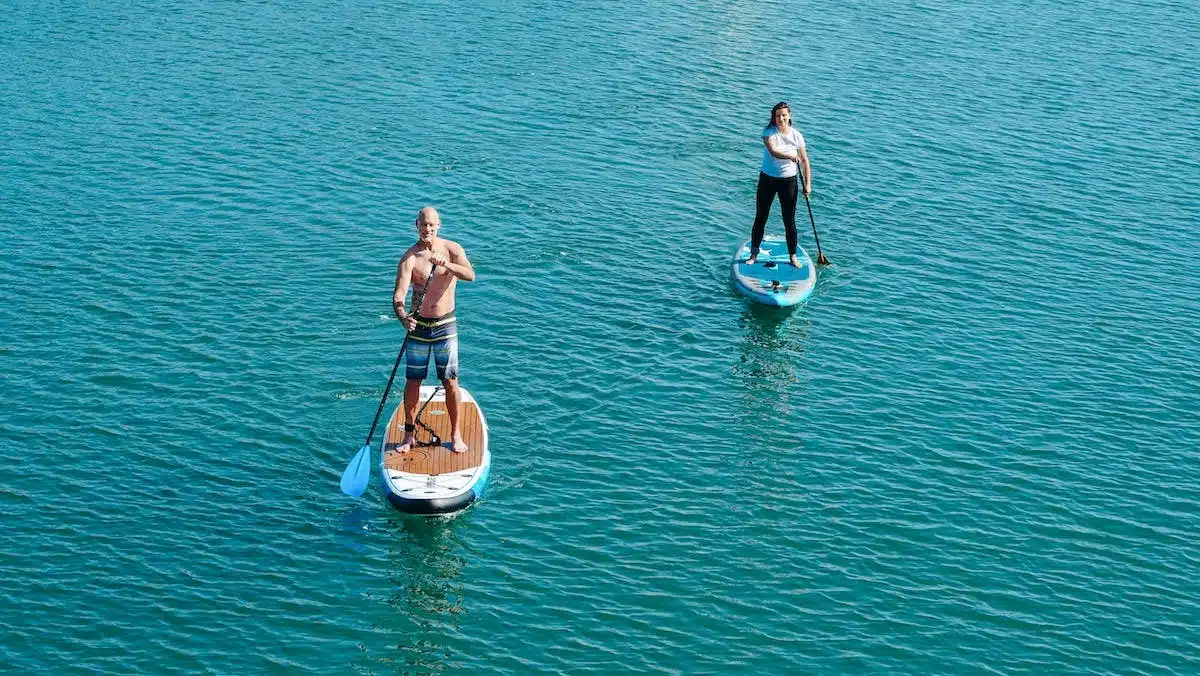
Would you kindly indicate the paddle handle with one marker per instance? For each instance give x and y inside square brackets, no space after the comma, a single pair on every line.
[396,367]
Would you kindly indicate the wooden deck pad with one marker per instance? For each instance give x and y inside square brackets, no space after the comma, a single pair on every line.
[435,459]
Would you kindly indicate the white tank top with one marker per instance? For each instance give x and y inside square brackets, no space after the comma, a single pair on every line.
[791,142]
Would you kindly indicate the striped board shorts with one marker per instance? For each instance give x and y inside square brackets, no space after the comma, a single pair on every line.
[437,336]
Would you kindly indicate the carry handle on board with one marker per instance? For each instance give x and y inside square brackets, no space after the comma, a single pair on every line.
[357,474]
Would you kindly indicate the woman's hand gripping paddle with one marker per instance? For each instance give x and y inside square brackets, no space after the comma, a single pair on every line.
[358,473]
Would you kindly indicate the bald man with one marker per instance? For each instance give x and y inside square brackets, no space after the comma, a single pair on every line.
[431,327]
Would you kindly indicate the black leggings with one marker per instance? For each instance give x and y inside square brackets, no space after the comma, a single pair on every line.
[788,190]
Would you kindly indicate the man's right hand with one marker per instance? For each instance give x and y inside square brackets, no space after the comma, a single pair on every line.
[409,322]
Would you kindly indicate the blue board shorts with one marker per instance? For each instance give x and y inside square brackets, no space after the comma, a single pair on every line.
[437,336]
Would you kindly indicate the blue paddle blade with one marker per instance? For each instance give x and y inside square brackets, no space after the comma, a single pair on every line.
[358,473]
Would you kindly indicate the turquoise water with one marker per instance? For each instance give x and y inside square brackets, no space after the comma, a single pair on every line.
[973,450]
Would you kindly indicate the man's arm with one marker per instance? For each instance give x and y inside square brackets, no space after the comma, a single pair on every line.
[403,275]
[456,263]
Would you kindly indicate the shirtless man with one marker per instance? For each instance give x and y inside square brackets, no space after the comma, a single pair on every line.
[431,327]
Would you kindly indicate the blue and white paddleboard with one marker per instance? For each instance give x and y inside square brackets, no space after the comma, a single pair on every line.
[429,479]
[773,280]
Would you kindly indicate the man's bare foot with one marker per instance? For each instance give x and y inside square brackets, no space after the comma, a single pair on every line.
[794,261]
[405,444]
[457,445]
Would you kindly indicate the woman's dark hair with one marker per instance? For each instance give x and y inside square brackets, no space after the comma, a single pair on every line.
[778,106]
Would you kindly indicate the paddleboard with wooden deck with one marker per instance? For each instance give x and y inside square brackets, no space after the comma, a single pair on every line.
[773,280]
[432,480]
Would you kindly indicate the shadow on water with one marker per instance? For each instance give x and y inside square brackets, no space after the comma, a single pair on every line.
[771,348]
[774,384]
[355,525]
[770,364]
[425,562]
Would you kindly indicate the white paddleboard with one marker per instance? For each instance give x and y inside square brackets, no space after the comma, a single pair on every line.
[432,480]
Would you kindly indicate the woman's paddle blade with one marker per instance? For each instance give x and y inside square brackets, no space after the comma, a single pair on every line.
[358,473]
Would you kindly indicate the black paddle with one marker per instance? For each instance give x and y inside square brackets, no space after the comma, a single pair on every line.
[358,473]
[821,259]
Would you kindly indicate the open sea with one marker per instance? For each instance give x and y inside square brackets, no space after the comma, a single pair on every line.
[976,449]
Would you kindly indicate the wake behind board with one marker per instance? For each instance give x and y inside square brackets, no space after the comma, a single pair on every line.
[772,280]
[432,480]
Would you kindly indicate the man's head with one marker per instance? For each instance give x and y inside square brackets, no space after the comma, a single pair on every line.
[428,222]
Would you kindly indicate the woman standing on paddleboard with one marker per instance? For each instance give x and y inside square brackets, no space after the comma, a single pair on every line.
[783,154]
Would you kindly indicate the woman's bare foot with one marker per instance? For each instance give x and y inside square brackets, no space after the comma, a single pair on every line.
[794,261]
[457,445]
[752,260]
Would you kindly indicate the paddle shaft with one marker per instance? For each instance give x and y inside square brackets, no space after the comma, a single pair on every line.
[396,367]
[820,256]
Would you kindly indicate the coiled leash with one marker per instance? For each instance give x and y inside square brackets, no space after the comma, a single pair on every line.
[434,439]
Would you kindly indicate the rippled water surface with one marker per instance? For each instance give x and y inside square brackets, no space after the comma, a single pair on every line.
[973,450]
